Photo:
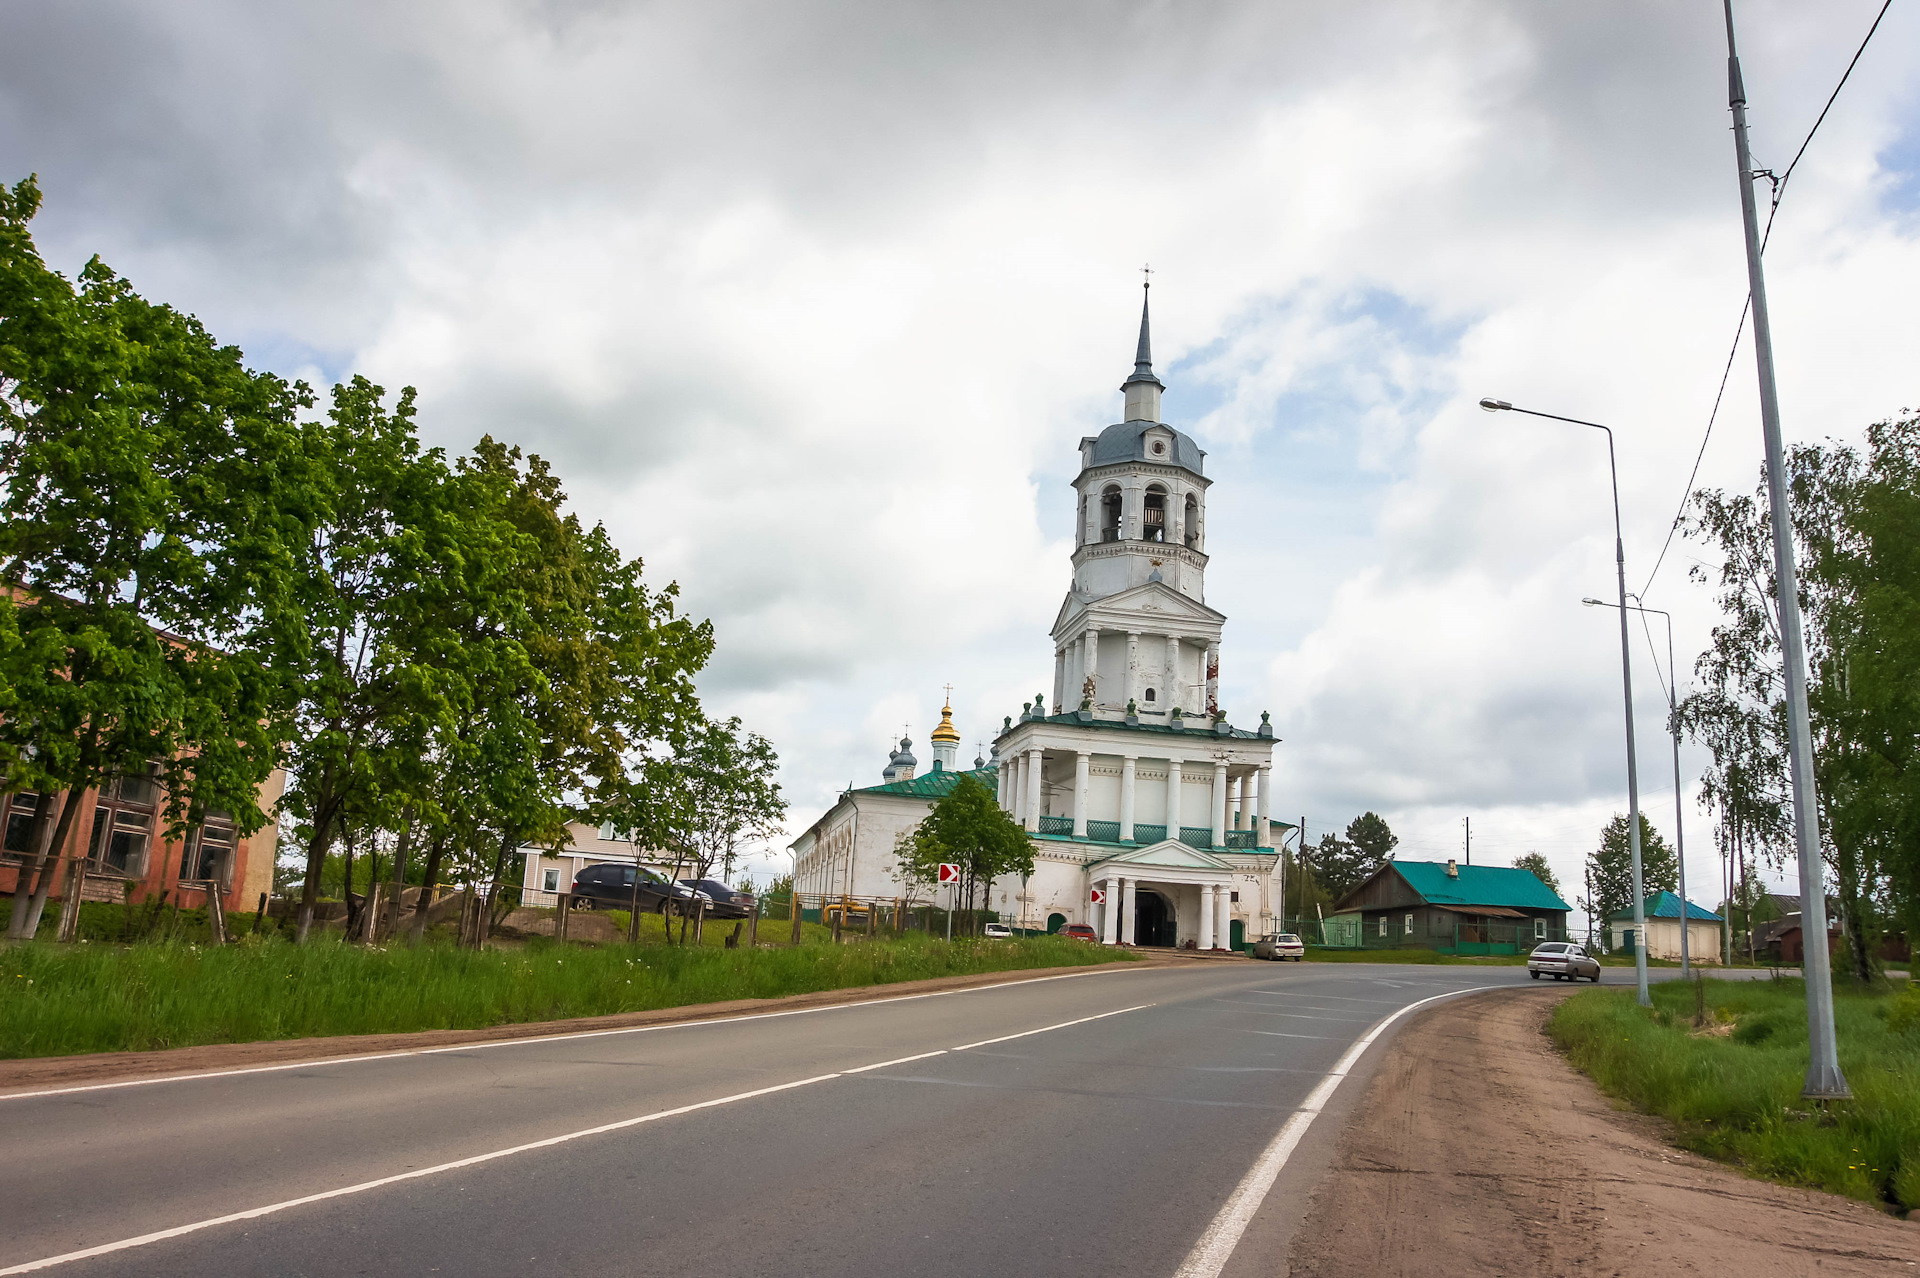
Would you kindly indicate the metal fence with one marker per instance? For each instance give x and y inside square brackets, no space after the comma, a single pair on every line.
[1464,935]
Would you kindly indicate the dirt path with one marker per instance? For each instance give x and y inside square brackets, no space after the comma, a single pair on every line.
[1478,1150]
[34,1073]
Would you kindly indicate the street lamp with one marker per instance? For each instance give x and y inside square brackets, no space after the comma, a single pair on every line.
[1673,725]
[1626,683]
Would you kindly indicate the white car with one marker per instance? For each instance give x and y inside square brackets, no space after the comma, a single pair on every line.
[1563,962]
[996,930]
[1280,945]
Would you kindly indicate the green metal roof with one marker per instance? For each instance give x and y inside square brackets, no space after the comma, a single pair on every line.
[1479,885]
[1665,905]
[932,785]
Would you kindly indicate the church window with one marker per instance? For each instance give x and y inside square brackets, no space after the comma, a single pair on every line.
[1110,514]
[1149,694]
[1153,517]
[1192,523]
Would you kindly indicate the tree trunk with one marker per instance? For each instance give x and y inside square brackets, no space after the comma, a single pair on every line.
[493,910]
[418,931]
[62,835]
[39,832]
[346,892]
[316,861]
[400,851]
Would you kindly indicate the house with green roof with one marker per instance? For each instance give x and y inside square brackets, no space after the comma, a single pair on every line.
[1453,908]
[1663,929]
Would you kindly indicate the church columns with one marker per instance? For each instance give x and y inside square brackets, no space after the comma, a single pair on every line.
[1233,802]
[1126,798]
[1173,798]
[1031,797]
[1093,667]
[1170,685]
[1133,666]
[1207,895]
[1265,824]
[1000,787]
[1126,912]
[1110,914]
[1219,805]
[1212,676]
[1059,676]
[1223,925]
[1081,762]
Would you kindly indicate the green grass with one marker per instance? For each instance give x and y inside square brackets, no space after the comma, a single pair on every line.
[58,1000]
[1737,1096]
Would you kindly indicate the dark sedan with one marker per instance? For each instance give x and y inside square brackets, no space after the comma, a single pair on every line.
[620,887]
[728,903]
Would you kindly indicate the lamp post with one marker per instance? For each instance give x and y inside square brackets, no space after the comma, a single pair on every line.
[1824,1079]
[1673,726]
[1626,684]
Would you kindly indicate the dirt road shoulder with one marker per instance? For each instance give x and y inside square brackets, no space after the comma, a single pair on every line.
[1478,1150]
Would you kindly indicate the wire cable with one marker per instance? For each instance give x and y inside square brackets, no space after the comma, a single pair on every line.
[1779,189]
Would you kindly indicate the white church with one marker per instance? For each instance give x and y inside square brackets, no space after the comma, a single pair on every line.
[1150,814]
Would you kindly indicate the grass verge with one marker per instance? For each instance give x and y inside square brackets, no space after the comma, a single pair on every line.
[55,1001]
[1732,1088]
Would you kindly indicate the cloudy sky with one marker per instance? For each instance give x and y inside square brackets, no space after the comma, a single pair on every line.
[811,302]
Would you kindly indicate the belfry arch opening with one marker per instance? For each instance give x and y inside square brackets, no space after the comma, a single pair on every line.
[1191,523]
[1153,514]
[1110,513]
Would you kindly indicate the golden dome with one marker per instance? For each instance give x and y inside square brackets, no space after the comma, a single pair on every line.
[946,731]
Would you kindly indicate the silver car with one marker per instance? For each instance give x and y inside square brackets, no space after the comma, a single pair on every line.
[1562,961]
[1280,945]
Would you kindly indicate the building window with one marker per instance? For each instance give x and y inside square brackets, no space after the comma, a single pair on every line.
[1539,929]
[1409,931]
[20,821]
[1110,514]
[1383,925]
[549,880]
[210,852]
[606,831]
[123,821]
[1149,695]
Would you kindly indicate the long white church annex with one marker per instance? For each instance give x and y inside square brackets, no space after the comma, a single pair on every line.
[1151,815]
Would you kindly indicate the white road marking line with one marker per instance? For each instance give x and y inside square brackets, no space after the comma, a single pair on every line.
[1209,1255]
[1277,1034]
[544,1038]
[1006,1038]
[254,1213]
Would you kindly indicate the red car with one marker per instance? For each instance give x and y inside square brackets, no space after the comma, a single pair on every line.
[1079,932]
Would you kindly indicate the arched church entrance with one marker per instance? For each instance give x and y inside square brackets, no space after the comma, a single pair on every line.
[1153,919]
[1055,922]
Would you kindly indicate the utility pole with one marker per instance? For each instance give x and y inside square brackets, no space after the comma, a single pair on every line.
[1468,822]
[1824,1079]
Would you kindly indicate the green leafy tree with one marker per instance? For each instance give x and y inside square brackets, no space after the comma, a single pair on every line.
[153,487]
[1343,864]
[1610,868]
[1857,533]
[968,828]
[1536,865]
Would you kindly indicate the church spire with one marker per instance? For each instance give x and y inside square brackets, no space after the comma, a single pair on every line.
[1143,388]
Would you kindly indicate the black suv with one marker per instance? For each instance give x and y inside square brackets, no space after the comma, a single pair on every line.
[728,903]
[612,887]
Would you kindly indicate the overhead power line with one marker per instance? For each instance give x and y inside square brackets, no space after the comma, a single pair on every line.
[1779,189]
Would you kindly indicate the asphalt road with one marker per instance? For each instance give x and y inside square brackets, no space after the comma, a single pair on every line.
[885,1137]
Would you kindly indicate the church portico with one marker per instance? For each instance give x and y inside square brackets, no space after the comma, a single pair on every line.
[1168,894]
